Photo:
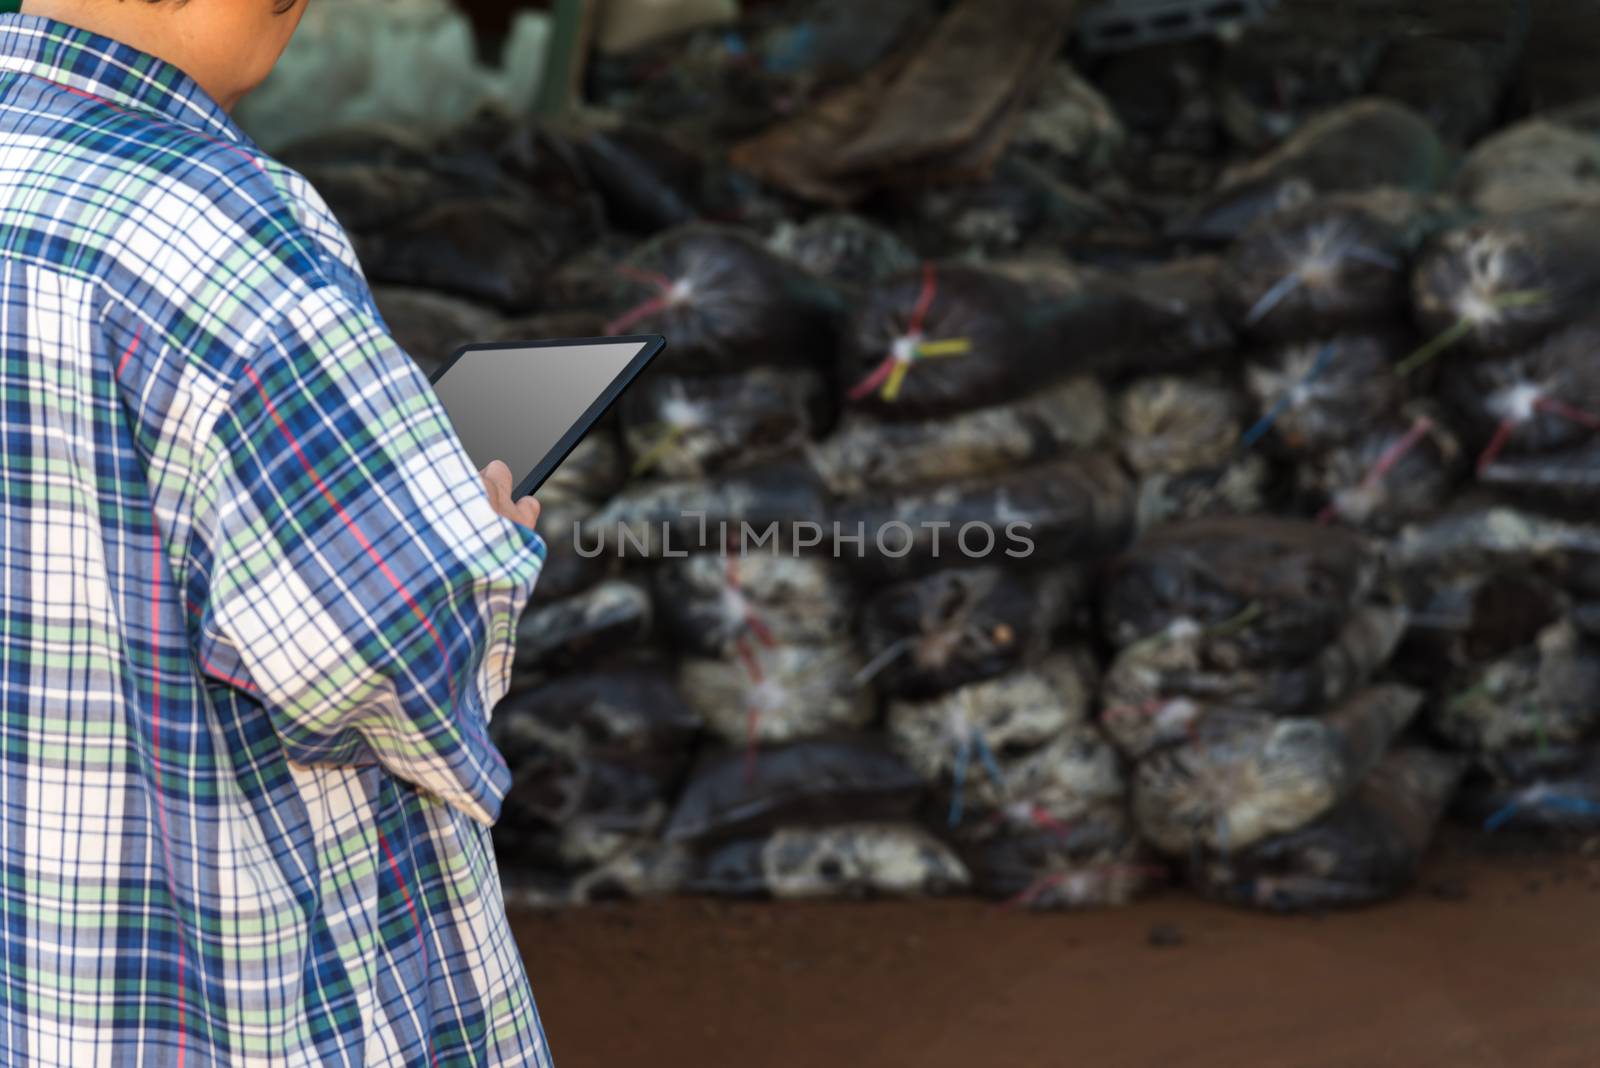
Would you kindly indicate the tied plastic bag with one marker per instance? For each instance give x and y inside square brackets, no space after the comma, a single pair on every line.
[778,693]
[1243,776]
[814,782]
[1544,399]
[1032,860]
[691,427]
[952,337]
[717,604]
[563,634]
[1365,144]
[726,302]
[1261,590]
[1541,789]
[495,250]
[1396,471]
[1023,736]
[1046,514]
[778,508]
[1316,395]
[866,454]
[1546,692]
[844,248]
[1337,264]
[1172,425]
[1535,164]
[1156,691]
[1501,284]
[847,860]
[594,758]
[1366,850]
[960,625]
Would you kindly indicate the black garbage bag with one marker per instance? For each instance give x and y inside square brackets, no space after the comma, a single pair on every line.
[1541,789]
[1039,863]
[1240,486]
[1366,850]
[595,623]
[1171,425]
[864,454]
[430,326]
[1401,468]
[725,302]
[1050,513]
[1244,776]
[1156,691]
[816,782]
[621,712]
[778,507]
[929,635]
[935,341]
[691,427]
[1544,692]
[1535,164]
[1459,621]
[844,248]
[641,870]
[715,603]
[1568,480]
[1019,737]
[594,759]
[1337,264]
[1179,318]
[951,337]
[1261,590]
[846,860]
[495,250]
[1365,144]
[767,694]
[1021,206]
[1316,395]
[1480,534]
[1500,284]
[1542,400]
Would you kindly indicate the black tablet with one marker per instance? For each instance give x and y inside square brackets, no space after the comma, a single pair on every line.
[529,403]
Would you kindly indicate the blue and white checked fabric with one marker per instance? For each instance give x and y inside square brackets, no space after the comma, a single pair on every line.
[254,612]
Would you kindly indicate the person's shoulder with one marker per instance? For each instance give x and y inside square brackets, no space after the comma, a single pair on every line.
[192,216]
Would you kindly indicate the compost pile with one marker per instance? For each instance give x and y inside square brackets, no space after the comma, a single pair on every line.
[1179,466]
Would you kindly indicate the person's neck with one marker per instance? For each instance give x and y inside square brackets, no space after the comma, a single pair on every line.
[156,29]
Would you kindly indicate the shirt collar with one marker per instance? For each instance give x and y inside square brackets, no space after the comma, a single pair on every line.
[112,71]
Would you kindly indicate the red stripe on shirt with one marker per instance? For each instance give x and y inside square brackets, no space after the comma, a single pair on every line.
[350,525]
[394,866]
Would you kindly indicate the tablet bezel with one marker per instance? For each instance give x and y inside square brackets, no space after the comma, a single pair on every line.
[652,346]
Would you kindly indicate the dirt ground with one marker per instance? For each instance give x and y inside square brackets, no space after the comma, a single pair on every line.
[1491,961]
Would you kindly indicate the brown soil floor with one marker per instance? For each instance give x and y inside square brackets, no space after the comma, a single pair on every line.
[1491,961]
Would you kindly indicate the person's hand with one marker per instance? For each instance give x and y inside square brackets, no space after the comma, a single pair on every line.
[497,481]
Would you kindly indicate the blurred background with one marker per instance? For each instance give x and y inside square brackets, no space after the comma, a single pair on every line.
[1272,325]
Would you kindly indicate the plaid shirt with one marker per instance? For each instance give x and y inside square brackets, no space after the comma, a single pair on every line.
[254,612]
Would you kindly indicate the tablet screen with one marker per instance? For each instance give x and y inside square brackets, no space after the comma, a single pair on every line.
[515,404]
